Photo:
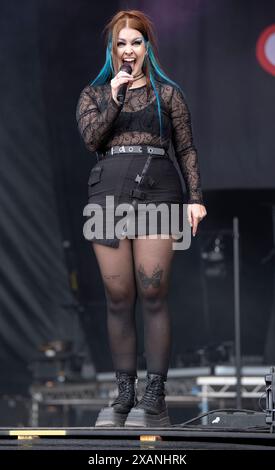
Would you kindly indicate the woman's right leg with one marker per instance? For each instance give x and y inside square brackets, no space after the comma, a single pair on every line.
[117,271]
[116,267]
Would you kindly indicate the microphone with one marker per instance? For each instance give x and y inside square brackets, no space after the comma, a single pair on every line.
[122,89]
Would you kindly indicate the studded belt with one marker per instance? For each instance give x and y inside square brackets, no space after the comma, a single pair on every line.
[116,150]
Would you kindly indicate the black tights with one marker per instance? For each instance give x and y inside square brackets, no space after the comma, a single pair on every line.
[138,267]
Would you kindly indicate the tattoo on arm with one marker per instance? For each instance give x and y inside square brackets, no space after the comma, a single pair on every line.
[155,279]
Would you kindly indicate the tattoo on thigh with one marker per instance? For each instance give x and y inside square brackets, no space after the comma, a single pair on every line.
[111,276]
[155,279]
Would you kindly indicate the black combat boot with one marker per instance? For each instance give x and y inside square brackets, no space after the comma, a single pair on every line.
[151,410]
[116,414]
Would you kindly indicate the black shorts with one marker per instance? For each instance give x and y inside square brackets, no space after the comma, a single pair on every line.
[115,176]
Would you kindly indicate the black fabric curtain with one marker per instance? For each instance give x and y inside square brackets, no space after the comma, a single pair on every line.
[37,304]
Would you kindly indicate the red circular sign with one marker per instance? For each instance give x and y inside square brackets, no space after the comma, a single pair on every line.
[265,49]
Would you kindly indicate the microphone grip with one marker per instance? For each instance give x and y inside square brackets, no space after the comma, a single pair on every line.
[121,93]
[122,89]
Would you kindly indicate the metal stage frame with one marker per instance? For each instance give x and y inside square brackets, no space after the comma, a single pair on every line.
[185,387]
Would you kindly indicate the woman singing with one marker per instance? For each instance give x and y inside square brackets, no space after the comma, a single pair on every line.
[131,136]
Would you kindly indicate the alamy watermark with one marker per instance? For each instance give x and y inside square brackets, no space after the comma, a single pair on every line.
[137,220]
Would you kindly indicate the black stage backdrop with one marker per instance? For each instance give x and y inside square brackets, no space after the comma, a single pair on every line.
[209,48]
[49,51]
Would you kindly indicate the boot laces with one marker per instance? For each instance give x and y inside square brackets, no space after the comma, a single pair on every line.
[126,386]
[153,391]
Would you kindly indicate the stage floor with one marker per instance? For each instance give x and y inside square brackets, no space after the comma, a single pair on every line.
[173,438]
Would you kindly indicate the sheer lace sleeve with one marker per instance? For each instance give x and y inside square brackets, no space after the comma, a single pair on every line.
[185,151]
[94,125]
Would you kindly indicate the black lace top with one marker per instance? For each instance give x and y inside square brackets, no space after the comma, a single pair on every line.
[103,124]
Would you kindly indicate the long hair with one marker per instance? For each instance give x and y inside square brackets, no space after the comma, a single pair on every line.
[151,66]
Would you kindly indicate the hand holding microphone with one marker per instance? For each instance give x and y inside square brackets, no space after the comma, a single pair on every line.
[120,83]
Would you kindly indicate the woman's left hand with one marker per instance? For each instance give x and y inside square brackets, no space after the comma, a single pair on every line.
[195,213]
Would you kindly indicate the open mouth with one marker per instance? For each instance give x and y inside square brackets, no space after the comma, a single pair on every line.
[131,62]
